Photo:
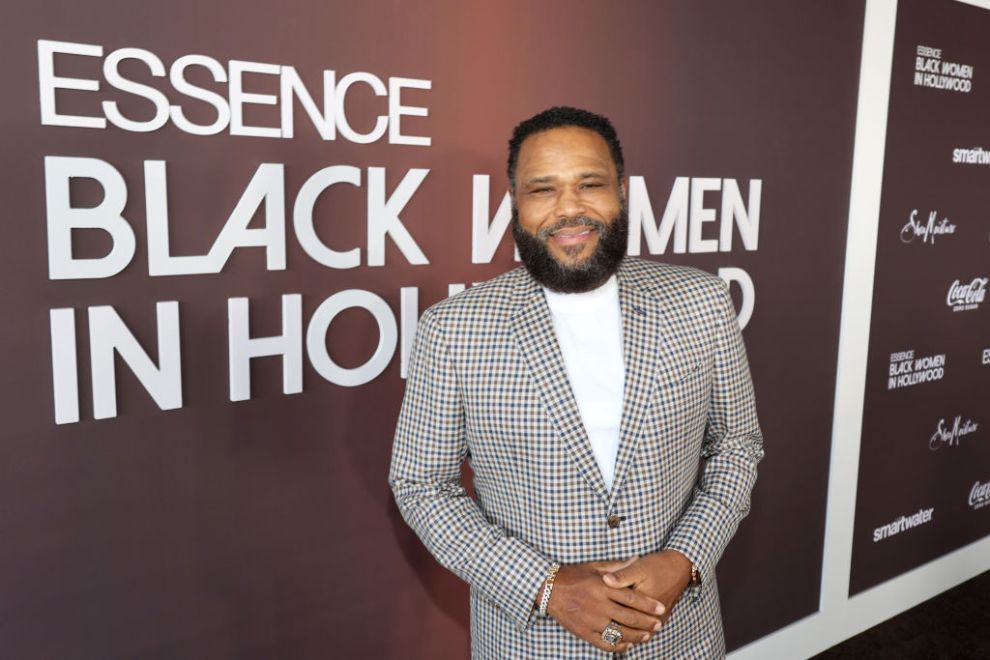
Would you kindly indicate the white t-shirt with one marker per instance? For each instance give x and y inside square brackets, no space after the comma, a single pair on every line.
[589,332]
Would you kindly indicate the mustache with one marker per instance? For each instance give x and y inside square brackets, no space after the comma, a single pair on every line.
[566,223]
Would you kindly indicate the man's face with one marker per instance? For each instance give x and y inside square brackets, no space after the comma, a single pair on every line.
[569,216]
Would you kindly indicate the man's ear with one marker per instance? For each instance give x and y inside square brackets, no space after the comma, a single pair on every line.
[624,184]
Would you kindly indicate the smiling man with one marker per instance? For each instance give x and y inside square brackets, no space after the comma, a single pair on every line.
[569,215]
[606,408]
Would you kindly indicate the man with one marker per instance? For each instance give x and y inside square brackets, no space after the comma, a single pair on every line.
[606,408]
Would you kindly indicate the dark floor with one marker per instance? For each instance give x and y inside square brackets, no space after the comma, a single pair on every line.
[954,625]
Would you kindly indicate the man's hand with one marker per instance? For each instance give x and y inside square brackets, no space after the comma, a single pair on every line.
[584,605]
[662,576]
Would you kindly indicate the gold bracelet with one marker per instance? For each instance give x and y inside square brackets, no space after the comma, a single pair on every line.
[545,600]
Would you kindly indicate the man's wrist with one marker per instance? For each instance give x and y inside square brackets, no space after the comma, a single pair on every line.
[685,566]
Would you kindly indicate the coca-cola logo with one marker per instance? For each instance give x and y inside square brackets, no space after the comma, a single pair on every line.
[926,231]
[979,495]
[962,297]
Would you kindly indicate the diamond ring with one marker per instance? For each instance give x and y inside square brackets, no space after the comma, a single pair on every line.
[612,635]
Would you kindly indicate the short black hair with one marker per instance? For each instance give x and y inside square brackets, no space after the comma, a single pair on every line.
[559,117]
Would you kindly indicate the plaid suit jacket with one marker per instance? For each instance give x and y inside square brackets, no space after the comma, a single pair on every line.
[487,383]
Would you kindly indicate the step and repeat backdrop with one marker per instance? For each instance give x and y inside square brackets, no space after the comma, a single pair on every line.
[223,222]
[924,478]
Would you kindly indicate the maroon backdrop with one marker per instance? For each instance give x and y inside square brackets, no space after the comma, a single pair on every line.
[265,528]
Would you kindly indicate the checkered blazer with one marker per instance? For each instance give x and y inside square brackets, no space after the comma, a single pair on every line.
[487,383]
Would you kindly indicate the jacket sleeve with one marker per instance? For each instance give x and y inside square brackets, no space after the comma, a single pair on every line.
[732,447]
[425,477]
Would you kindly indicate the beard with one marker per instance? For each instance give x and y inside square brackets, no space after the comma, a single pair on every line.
[582,276]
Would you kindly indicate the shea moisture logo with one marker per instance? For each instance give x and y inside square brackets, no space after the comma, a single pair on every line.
[964,297]
[905,370]
[930,70]
[979,495]
[926,231]
[902,524]
[948,436]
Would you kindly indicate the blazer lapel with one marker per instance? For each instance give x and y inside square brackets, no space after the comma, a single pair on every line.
[533,328]
[647,347]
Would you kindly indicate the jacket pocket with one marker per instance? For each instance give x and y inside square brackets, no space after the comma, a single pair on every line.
[676,374]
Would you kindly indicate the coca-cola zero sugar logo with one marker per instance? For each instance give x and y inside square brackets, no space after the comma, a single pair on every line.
[979,495]
[964,297]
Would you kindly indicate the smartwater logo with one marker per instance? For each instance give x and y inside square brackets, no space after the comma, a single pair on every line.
[902,524]
[926,231]
[949,435]
[964,297]
[979,495]
[971,156]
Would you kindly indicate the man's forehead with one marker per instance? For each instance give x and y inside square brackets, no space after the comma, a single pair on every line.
[567,145]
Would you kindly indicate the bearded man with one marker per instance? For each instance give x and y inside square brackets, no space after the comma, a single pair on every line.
[606,408]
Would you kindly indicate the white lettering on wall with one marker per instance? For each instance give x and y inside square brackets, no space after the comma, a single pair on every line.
[687,212]
[329,117]
[242,348]
[109,335]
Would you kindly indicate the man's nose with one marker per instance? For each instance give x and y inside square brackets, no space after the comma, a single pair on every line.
[569,203]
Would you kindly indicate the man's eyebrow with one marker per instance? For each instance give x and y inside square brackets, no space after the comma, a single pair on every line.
[548,178]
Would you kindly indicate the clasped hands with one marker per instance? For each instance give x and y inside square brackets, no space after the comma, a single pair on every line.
[638,594]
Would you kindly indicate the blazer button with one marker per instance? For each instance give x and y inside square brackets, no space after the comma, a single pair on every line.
[613,521]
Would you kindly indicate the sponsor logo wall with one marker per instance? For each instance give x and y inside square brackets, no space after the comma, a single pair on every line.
[925,445]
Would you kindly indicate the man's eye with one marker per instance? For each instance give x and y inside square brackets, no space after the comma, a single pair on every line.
[594,185]
[536,191]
